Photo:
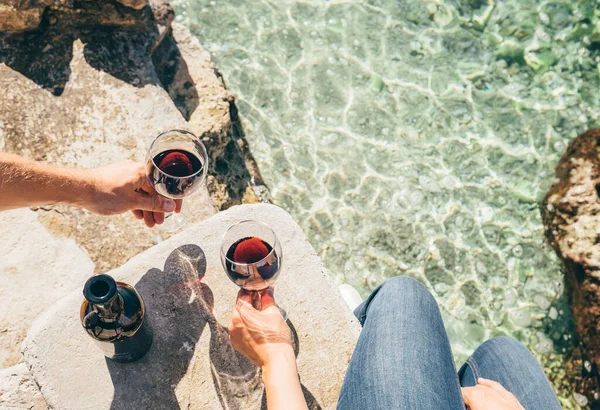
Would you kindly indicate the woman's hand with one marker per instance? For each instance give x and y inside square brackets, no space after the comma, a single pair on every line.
[489,395]
[258,331]
[260,335]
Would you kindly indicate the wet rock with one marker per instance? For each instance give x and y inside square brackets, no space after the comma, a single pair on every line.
[571,215]
[18,390]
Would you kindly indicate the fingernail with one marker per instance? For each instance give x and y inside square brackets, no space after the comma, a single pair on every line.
[168,206]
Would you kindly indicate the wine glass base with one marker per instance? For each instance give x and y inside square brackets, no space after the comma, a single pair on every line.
[283,312]
[173,222]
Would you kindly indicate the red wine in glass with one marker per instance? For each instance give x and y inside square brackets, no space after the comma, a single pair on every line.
[252,264]
[174,172]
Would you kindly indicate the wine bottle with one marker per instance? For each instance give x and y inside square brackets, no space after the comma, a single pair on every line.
[113,313]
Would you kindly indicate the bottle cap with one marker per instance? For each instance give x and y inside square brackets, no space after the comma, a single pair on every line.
[100,289]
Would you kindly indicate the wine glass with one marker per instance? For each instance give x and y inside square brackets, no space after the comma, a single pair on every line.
[176,166]
[251,256]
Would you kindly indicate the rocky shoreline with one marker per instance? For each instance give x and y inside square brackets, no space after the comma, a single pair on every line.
[571,215]
[89,83]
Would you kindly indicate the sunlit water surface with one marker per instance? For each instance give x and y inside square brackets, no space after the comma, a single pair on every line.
[417,138]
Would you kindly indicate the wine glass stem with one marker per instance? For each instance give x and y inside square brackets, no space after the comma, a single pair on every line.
[258,301]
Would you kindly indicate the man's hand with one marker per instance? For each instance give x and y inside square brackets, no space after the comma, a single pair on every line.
[489,395]
[106,191]
[260,335]
[123,187]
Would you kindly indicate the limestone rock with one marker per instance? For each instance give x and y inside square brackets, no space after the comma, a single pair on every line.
[571,215]
[189,301]
[109,110]
[18,390]
[17,15]
[36,270]
[134,4]
[79,95]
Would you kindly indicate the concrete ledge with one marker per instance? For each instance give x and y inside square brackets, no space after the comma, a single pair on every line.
[189,298]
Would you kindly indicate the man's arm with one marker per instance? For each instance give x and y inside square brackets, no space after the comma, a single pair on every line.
[26,183]
[108,190]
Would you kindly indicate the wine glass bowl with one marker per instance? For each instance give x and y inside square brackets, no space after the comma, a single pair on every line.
[251,255]
[176,164]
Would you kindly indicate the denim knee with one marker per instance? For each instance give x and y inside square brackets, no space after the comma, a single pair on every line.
[391,292]
[488,356]
[504,344]
[403,285]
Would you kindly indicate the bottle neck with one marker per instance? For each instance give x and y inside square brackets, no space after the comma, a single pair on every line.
[110,310]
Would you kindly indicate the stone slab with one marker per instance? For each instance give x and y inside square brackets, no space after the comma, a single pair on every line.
[105,114]
[36,269]
[189,299]
[18,390]
[108,111]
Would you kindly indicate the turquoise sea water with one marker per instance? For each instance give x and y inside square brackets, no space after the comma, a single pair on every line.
[417,137]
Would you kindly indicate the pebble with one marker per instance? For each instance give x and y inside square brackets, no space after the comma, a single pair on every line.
[553,313]
[520,318]
[517,251]
[541,301]
[544,18]
[544,344]
[580,399]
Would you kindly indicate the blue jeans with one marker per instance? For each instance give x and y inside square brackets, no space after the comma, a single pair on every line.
[403,359]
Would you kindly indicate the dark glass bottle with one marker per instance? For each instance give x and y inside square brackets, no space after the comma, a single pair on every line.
[113,313]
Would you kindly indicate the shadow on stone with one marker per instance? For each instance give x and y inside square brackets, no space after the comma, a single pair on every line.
[42,55]
[311,401]
[110,49]
[179,308]
[177,304]
[134,46]
[235,175]
[236,379]
[172,71]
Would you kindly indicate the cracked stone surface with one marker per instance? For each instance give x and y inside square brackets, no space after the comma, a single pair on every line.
[37,269]
[18,390]
[189,300]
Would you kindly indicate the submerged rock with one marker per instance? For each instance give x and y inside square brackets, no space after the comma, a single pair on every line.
[571,215]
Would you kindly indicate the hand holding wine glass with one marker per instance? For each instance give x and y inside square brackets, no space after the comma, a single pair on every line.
[259,334]
[123,186]
[176,166]
[108,190]
[251,256]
